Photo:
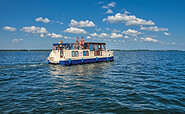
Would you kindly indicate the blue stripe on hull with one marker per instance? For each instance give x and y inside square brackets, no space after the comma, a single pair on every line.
[81,61]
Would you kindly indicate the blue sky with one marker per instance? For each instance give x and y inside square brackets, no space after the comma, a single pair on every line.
[122,24]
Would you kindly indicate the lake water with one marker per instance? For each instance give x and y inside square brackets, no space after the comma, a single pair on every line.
[138,81]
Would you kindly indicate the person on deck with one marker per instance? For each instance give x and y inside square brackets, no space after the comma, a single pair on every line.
[82,43]
[76,44]
[60,42]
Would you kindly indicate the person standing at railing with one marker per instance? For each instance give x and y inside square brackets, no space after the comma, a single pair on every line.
[76,44]
[82,43]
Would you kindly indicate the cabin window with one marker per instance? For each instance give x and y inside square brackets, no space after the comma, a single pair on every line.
[91,47]
[103,47]
[74,53]
[85,53]
[96,48]
[99,46]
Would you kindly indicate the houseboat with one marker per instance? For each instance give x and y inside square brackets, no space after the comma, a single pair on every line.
[71,53]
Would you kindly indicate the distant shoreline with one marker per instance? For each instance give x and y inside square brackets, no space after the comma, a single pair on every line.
[111,50]
[146,50]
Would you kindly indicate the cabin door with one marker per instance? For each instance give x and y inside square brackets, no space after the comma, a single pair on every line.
[97,51]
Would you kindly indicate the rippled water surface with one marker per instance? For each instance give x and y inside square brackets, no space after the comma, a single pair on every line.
[135,82]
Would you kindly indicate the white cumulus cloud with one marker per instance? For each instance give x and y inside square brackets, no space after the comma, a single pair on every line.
[9,28]
[104,6]
[98,29]
[66,37]
[114,30]
[34,29]
[115,35]
[44,20]
[42,35]
[153,28]
[75,30]
[103,35]
[127,19]
[88,37]
[16,40]
[86,23]
[126,37]
[112,4]
[148,39]
[53,35]
[94,34]
[167,34]
[131,32]
[109,11]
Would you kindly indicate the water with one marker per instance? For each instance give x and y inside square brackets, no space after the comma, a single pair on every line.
[135,82]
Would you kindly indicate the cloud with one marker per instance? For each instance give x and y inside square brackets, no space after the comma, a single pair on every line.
[58,22]
[9,28]
[48,34]
[103,35]
[148,39]
[75,30]
[131,32]
[126,12]
[86,23]
[16,40]
[107,29]
[66,37]
[109,11]
[105,7]
[151,36]
[53,35]
[98,29]
[88,37]
[101,2]
[126,37]
[34,29]
[94,34]
[46,20]
[167,34]
[128,20]
[114,30]
[173,43]
[42,35]
[112,4]
[153,28]
[115,35]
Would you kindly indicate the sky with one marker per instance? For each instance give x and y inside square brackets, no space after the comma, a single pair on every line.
[121,24]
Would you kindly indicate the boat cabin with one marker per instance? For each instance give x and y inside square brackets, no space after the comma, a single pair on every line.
[88,49]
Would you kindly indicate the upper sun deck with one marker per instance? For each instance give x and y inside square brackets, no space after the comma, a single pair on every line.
[87,45]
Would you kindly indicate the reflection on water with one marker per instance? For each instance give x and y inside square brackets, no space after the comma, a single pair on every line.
[78,75]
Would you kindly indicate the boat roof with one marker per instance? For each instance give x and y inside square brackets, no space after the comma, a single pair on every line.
[94,43]
[73,43]
[62,43]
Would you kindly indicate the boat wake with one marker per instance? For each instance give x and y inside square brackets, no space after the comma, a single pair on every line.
[21,66]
